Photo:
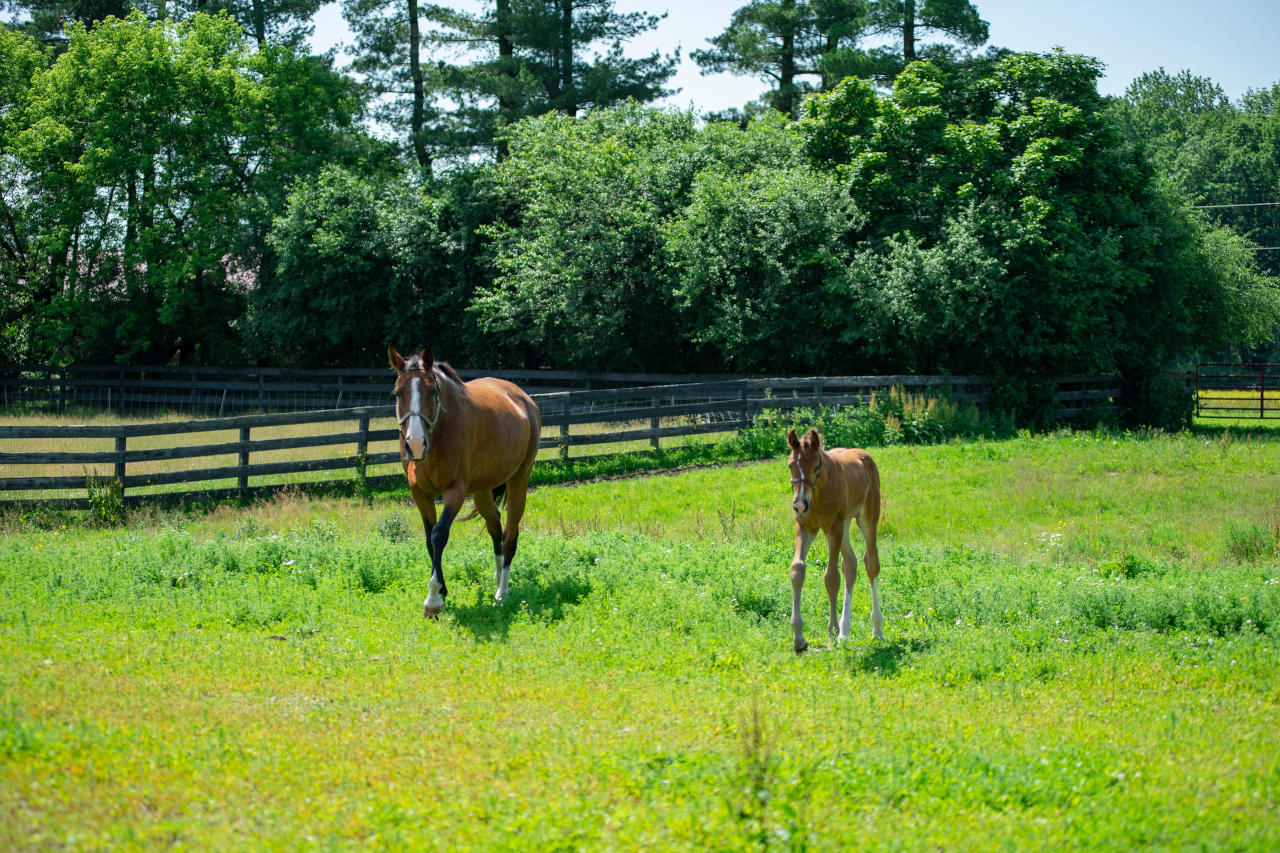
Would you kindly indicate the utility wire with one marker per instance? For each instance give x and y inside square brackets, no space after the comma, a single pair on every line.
[1257,204]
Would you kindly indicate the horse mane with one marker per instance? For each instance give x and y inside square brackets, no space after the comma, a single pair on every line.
[447,369]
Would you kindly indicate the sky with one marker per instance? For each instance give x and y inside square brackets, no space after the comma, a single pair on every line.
[1237,45]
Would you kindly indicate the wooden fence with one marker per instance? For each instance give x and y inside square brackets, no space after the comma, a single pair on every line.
[220,391]
[609,420]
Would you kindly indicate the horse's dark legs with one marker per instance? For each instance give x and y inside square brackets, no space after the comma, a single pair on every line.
[438,538]
[489,512]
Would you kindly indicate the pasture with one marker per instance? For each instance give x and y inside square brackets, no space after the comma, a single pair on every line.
[1080,654]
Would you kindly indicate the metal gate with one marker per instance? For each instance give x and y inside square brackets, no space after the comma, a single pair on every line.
[1238,391]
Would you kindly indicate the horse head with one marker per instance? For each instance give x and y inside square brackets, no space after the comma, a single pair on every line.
[418,403]
[805,463]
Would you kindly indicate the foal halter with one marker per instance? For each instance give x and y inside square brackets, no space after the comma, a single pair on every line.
[804,480]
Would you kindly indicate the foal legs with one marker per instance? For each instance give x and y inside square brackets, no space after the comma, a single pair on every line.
[803,540]
[871,558]
[832,577]
[850,575]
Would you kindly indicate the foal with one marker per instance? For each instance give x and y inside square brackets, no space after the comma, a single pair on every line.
[832,488]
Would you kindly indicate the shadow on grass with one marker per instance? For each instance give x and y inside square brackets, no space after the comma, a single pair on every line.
[885,658]
[490,621]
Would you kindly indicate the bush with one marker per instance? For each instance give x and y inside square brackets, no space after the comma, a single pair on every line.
[1157,400]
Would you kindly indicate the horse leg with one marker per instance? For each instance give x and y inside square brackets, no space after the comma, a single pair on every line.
[517,492]
[831,578]
[803,540]
[850,576]
[489,512]
[427,509]
[437,591]
[871,559]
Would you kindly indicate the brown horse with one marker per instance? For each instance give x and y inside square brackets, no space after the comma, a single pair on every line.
[476,438]
[832,488]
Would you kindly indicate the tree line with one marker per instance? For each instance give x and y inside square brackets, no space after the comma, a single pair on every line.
[183,181]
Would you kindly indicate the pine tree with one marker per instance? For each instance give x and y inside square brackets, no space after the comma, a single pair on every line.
[782,40]
[912,18]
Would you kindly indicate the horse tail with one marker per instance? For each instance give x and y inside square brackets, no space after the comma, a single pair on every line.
[499,498]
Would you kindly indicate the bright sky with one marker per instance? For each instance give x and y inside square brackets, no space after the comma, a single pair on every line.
[1237,45]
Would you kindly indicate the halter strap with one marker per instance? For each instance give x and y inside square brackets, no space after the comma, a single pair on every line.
[434,419]
[803,479]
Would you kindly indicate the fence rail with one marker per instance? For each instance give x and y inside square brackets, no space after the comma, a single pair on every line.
[1238,391]
[220,391]
[571,419]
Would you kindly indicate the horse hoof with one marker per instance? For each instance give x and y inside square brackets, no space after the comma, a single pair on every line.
[802,649]
[432,613]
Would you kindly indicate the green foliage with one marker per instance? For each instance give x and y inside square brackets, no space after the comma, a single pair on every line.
[394,528]
[106,501]
[1217,153]
[151,156]
[582,271]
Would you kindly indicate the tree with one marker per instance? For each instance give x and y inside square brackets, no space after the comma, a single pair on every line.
[514,59]
[277,21]
[1217,152]
[781,40]
[147,161]
[911,19]
[1011,229]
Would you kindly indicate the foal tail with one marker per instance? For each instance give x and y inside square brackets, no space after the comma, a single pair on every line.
[499,498]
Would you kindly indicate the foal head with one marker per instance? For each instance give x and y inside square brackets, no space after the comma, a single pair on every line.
[805,462]
[418,403]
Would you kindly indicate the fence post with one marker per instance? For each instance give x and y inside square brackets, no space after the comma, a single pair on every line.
[654,423]
[564,435]
[120,448]
[243,481]
[362,446]
[1262,391]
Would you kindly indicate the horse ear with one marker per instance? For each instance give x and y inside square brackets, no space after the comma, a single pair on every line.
[397,360]
[814,439]
[793,441]
[427,358]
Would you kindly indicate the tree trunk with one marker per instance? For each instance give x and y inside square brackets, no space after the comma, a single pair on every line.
[259,23]
[419,96]
[787,60]
[566,69]
[506,69]
[909,31]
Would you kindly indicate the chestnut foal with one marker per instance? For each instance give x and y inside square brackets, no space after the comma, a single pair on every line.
[832,488]
[458,438]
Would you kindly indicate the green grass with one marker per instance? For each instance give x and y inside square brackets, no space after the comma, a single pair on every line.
[1080,654]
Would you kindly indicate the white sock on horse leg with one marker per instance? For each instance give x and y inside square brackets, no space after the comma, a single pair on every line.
[877,621]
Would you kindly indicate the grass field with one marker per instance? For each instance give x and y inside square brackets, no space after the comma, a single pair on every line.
[1080,654]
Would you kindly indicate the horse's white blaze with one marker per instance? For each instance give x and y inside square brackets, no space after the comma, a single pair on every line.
[415,437]
[434,599]
[877,621]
